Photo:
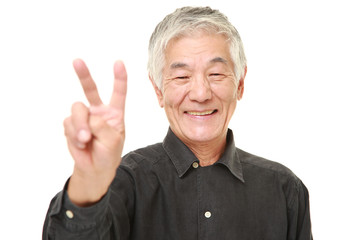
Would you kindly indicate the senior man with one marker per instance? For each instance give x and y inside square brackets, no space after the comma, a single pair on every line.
[195,184]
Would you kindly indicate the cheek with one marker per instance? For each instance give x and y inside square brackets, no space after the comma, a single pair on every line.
[226,93]
[174,96]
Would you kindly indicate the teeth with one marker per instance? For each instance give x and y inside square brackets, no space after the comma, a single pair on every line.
[200,113]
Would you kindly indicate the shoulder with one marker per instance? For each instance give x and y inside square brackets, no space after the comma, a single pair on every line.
[149,155]
[139,164]
[264,171]
[262,165]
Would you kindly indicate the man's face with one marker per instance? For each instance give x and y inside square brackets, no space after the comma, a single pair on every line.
[199,87]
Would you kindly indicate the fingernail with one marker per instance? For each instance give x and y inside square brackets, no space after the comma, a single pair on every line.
[84,136]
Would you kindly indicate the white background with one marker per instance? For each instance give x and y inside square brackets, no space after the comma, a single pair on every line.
[300,107]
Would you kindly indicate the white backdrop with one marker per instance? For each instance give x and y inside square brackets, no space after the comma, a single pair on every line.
[300,107]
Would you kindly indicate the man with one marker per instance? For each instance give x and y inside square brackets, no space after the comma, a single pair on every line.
[195,184]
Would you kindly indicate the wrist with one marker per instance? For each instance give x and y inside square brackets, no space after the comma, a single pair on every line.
[86,190]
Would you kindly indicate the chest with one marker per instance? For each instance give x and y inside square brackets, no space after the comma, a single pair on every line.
[210,203]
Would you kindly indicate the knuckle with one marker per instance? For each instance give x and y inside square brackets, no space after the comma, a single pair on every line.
[119,136]
[69,130]
[77,106]
[121,132]
[80,115]
[66,121]
[66,124]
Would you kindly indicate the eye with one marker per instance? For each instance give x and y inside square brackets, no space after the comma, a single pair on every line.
[216,76]
[182,77]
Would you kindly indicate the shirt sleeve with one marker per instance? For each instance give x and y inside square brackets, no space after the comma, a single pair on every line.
[108,219]
[299,227]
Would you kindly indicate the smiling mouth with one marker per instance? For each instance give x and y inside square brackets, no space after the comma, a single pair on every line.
[205,113]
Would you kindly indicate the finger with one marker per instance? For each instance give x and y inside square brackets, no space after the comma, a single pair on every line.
[80,122]
[120,86]
[106,112]
[109,137]
[70,134]
[113,117]
[87,82]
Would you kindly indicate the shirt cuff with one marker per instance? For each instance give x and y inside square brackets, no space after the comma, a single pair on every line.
[77,218]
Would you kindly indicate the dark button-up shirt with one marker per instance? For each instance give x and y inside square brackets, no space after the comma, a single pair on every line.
[161,192]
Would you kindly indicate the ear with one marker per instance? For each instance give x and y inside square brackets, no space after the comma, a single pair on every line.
[158,92]
[240,89]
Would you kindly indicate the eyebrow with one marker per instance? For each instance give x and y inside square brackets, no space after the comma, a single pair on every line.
[176,65]
[218,59]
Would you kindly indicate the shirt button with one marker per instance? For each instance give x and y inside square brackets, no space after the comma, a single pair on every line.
[207,214]
[195,165]
[69,214]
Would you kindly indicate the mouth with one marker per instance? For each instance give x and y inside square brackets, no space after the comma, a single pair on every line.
[203,113]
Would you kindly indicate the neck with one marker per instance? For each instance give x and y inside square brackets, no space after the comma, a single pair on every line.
[208,152]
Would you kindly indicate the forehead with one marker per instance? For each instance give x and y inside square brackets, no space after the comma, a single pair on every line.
[212,48]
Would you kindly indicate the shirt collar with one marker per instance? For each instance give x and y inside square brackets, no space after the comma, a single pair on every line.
[179,153]
[231,158]
[183,158]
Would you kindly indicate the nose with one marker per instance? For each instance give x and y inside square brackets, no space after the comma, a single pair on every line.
[200,89]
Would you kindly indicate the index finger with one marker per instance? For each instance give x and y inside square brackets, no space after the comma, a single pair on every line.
[87,82]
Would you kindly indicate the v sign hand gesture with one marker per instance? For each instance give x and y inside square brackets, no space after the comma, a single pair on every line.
[95,137]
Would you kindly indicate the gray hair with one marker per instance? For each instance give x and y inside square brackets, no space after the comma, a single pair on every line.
[185,21]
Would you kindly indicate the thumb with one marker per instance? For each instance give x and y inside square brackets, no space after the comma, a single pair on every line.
[108,136]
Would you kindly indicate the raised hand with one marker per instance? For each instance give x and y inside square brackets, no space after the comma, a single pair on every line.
[95,136]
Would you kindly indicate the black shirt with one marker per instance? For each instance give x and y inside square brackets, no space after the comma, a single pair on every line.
[161,192]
